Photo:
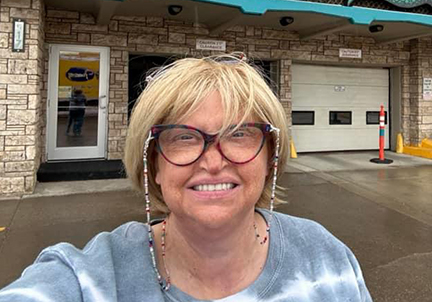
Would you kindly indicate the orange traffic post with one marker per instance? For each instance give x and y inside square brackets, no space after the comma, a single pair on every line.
[381,159]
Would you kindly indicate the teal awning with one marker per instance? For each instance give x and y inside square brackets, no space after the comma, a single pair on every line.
[356,15]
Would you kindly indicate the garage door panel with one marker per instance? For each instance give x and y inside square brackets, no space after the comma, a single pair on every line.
[341,139]
[310,74]
[322,116]
[314,90]
[325,95]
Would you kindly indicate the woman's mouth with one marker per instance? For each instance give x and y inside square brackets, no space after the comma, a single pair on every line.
[214,187]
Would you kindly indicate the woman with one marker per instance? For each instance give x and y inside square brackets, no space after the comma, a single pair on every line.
[204,145]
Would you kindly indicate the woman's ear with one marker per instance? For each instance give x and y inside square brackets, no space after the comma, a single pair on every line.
[154,159]
[156,169]
[157,178]
[269,166]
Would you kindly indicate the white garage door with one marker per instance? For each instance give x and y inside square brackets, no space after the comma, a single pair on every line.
[337,108]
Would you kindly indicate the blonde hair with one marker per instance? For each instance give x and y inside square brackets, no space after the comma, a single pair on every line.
[175,92]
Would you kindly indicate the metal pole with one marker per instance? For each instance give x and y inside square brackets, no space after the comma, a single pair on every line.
[381,159]
[381,133]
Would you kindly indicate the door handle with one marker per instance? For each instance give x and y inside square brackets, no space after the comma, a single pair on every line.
[102,104]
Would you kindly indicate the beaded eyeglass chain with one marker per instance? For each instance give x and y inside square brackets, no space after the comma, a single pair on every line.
[165,285]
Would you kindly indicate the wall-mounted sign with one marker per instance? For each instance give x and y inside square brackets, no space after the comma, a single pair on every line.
[210,45]
[350,53]
[18,35]
[427,89]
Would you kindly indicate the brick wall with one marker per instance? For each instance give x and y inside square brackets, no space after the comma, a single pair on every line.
[20,78]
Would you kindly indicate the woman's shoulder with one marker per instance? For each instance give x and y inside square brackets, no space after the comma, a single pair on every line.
[108,261]
[315,258]
[305,231]
[308,239]
[123,237]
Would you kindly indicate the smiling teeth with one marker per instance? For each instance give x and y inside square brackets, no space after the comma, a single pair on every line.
[214,187]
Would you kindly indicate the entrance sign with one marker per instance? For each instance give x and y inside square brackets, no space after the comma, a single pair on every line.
[210,45]
[427,89]
[18,35]
[350,53]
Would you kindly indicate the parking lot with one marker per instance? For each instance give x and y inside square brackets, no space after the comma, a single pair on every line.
[383,213]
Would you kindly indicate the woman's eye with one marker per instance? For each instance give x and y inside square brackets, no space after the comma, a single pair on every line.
[239,134]
[184,137]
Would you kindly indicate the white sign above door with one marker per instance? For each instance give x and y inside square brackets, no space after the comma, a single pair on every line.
[350,53]
[210,45]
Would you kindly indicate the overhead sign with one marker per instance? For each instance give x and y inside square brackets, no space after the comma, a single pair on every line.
[350,53]
[210,45]
[427,89]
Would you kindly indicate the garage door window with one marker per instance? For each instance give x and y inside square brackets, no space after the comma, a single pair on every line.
[303,117]
[340,117]
[372,117]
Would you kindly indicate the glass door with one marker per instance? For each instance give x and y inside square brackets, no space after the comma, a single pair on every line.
[77,102]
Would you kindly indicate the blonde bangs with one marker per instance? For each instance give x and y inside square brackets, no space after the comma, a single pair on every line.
[197,78]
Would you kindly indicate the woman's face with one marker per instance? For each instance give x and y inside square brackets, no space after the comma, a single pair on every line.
[181,188]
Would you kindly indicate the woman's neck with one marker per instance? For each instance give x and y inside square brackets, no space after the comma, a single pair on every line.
[210,263]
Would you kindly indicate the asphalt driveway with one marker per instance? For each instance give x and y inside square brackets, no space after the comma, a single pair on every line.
[384,214]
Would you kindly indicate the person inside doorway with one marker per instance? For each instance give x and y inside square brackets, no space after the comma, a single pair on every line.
[206,144]
[77,106]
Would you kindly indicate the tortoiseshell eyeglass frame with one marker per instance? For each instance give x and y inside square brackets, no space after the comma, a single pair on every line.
[156,130]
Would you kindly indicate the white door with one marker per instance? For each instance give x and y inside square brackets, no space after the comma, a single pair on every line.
[77,102]
[336,108]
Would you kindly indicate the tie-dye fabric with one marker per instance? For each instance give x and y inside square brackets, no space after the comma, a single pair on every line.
[305,263]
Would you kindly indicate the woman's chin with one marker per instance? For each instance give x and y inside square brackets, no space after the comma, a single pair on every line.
[213,217]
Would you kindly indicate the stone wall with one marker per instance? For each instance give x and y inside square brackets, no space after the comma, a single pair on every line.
[20,84]
[421,110]
[151,35]
[22,108]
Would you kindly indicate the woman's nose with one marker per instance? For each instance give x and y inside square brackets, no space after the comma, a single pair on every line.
[212,159]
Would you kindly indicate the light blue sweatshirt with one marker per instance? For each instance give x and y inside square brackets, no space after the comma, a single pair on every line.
[305,263]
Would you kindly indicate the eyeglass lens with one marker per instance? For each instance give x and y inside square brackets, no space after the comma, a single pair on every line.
[183,146]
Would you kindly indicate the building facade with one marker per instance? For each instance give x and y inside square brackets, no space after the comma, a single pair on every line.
[332,64]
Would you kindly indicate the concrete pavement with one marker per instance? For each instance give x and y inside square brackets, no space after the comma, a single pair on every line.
[383,213]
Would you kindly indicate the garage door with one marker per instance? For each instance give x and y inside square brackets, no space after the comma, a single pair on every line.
[337,108]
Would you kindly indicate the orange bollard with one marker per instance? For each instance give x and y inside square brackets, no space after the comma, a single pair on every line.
[381,159]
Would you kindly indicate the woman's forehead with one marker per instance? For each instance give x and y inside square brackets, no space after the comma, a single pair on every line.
[213,125]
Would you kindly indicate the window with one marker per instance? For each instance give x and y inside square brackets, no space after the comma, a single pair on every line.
[271,71]
[303,117]
[372,117]
[340,117]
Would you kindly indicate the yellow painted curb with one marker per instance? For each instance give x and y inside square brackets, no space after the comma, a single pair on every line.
[418,151]
[399,144]
[426,143]
[293,152]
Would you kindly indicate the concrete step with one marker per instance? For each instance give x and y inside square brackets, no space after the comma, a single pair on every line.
[80,170]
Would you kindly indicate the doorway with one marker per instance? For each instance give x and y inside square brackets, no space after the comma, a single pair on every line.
[139,68]
[77,102]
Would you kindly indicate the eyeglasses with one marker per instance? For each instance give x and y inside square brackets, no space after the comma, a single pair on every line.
[182,145]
